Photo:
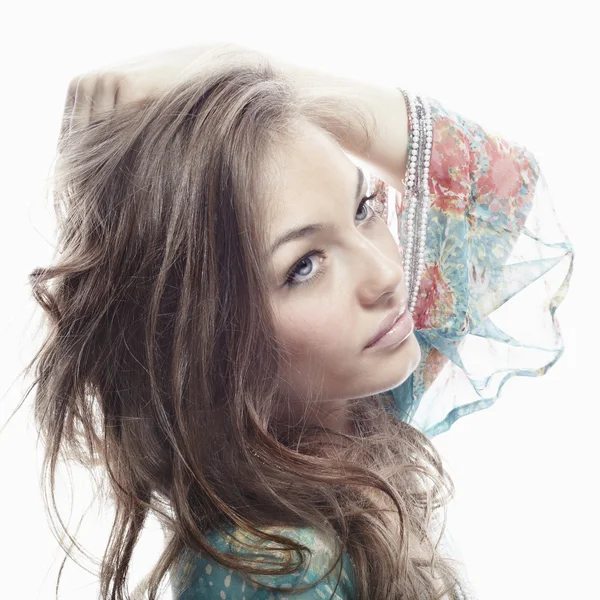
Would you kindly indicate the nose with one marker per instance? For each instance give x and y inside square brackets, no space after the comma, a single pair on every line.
[381,275]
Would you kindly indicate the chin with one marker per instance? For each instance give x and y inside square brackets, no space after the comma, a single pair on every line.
[407,356]
[415,351]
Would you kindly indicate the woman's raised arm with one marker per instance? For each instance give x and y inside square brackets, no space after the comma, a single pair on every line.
[344,104]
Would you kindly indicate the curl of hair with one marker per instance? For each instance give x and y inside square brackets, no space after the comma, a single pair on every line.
[160,367]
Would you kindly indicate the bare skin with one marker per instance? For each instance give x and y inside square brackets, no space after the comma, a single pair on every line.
[326,322]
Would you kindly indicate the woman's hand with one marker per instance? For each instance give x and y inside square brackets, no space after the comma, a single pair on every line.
[95,95]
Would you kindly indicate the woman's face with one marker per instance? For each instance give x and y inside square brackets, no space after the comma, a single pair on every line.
[342,281]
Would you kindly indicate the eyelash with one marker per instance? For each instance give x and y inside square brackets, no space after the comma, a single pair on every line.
[289,281]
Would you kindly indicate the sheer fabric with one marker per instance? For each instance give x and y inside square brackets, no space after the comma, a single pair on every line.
[497,266]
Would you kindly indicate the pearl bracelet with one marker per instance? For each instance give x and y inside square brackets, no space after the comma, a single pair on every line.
[416,182]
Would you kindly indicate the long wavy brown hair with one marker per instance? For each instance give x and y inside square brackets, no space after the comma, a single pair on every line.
[160,370]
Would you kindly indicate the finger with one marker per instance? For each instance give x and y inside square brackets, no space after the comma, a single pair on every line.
[84,97]
[68,109]
[104,98]
[124,93]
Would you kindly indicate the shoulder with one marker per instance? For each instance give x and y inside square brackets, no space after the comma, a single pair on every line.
[211,580]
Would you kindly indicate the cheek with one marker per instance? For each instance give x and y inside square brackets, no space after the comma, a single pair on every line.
[317,330]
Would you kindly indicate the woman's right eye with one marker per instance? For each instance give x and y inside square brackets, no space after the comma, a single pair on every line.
[291,279]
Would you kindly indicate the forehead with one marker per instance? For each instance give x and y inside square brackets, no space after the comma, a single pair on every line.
[312,174]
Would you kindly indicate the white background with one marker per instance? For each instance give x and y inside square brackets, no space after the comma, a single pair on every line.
[526,469]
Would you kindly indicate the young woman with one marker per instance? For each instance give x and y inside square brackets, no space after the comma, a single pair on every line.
[273,287]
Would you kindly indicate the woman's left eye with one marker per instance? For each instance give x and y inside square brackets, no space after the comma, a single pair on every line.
[364,203]
[291,279]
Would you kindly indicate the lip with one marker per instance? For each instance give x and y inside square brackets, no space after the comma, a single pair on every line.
[387,323]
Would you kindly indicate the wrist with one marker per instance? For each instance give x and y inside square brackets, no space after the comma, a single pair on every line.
[344,106]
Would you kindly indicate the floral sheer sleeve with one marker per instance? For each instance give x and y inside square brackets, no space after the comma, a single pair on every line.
[497,266]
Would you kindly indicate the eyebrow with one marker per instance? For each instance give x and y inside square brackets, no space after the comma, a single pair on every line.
[306,230]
